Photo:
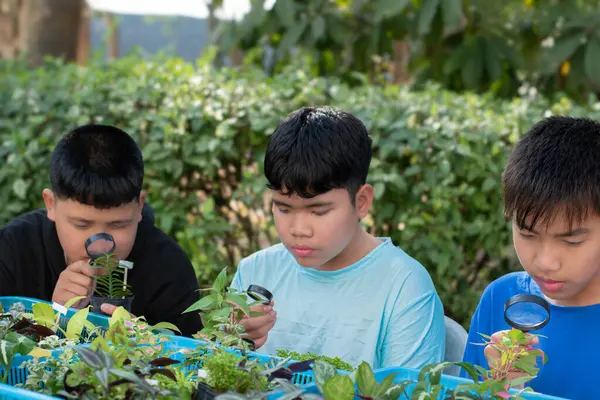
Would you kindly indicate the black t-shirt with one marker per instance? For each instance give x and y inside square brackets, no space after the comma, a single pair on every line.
[162,279]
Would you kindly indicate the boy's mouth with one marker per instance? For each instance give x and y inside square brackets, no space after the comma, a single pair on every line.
[302,251]
[549,285]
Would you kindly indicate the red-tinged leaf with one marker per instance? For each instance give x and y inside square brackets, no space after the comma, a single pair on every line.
[166,372]
[163,362]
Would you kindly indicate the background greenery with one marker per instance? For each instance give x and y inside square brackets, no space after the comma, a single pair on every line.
[481,45]
[438,156]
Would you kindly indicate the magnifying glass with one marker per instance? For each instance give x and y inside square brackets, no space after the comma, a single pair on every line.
[99,245]
[260,294]
[527,312]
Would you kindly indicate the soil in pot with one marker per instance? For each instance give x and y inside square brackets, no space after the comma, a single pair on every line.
[205,392]
[97,301]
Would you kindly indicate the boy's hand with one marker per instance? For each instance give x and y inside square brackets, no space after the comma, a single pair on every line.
[76,280]
[257,328]
[493,355]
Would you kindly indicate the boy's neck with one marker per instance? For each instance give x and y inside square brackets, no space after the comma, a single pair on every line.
[362,243]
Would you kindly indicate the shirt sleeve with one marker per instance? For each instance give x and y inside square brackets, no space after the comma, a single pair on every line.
[237,282]
[480,324]
[415,335]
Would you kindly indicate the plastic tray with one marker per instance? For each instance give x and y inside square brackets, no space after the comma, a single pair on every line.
[402,374]
[173,343]
[19,375]
[176,343]
[12,393]
[100,321]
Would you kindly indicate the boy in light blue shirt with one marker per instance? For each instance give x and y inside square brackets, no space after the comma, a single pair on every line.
[338,290]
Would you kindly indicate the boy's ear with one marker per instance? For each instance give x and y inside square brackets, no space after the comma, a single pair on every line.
[364,200]
[50,203]
[143,195]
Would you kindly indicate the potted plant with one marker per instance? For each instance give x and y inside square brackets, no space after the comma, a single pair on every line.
[111,284]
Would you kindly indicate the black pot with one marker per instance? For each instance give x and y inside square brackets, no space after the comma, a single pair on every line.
[205,392]
[97,301]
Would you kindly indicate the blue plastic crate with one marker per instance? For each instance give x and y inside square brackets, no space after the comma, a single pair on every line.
[19,375]
[402,374]
[12,393]
[175,343]
[179,343]
[98,320]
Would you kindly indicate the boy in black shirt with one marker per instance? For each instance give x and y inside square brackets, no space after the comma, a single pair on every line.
[96,175]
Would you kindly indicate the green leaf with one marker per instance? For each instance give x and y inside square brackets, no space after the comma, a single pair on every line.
[385,385]
[470,369]
[592,60]
[365,379]
[426,15]
[220,313]
[378,190]
[166,325]
[493,63]
[340,387]
[77,323]
[451,14]
[221,281]
[120,314]
[456,60]
[285,10]
[20,188]
[72,301]
[13,344]
[562,50]
[395,392]
[520,381]
[240,301]
[292,36]
[43,314]
[318,28]
[389,8]
[472,70]
[323,372]
[204,303]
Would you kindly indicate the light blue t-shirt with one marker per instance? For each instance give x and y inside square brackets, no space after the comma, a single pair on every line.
[383,309]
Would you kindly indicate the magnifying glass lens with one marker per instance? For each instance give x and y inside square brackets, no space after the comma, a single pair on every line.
[260,294]
[527,312]
[99,245]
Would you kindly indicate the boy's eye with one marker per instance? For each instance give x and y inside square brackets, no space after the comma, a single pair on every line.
[574,244]
[120,225]
[526,235]
[81,226]
[321,213]
[283,210]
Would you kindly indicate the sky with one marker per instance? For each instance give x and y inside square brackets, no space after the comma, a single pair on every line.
[233,9]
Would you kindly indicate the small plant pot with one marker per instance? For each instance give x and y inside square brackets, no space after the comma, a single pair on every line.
[205,392]
[97,301]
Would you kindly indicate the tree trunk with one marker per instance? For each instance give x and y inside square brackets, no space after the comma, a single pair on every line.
[40,28]
[11,35]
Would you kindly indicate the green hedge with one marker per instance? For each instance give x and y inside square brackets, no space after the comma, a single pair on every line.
[438,157]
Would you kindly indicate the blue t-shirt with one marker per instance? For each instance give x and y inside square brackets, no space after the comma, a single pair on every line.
[570,343]
[383,309]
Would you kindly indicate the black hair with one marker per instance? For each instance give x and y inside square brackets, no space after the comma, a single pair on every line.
[317,149]
[554,168]
[97,165]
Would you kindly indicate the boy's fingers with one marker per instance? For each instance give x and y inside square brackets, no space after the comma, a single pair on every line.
[259,326]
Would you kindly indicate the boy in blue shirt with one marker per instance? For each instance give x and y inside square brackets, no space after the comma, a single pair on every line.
[552,195]
[339,291]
